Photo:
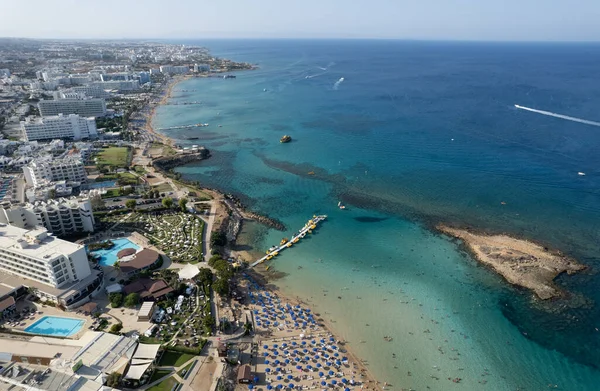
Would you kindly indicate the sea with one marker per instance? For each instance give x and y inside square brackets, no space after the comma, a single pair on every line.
[408,135]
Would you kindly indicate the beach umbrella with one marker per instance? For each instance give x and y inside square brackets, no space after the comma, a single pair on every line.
[290,377]
[267,370]
[267,362]
[336,354]
[298,367]
[286,352]
[338,362]
[284,345]
[346,389]
[328,363]
[266,354]
[250,386]
[334,382]
[275,346]
[279,386]
[305,350]
[309,366]
[256,379]
[265,346]
[277,362]
[323,383]
[303,342]
[278,377]
[331,339]
[275,353]
[294,343]
[269,387]
[287,361]
[344,380]
[321,374]
[318,365]
[331,373]
[291,385]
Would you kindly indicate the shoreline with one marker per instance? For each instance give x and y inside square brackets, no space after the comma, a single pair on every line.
[252,216]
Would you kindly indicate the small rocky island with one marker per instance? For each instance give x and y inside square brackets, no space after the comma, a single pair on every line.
[520,262]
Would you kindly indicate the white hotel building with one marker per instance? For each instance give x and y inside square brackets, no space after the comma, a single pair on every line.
[58,270]
[66,169]
[90,107]
[70,126]
[60,216]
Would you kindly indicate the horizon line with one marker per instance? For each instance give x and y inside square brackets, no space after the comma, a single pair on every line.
[307,39]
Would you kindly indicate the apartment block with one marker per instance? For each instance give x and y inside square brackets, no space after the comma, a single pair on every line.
[91,107]
[66,169]
[72,126]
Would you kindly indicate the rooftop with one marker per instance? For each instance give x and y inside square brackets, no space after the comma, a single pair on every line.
[141,260]
[34,243]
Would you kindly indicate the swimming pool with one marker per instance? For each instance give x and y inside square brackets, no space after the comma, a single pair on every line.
[56,326]
[98,185]
[109,257]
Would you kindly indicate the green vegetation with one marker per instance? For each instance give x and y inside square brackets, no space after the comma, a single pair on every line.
[205,277]
[184,371]
[166,385]
[106,245]
[131,300]
[113,157]
[113,379]
[116,300]
[182,204]
[218,238]
[159,374]
[208,323]
[174,359]
[167,202]
[116,328]
[130,204]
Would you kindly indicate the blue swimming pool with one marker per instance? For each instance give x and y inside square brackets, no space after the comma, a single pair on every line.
[56,326]
[109,257]
[98,185]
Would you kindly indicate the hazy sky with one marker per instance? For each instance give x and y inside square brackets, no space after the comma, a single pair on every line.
[546,20]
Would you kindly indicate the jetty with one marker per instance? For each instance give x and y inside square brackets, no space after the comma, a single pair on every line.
[183,127]
[308,228]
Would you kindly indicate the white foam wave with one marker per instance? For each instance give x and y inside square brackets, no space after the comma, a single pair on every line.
[561,116]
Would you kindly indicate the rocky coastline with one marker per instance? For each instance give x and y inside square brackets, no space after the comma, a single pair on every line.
[520,262]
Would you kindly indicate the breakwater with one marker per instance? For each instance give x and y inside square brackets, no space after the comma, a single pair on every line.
[170,162]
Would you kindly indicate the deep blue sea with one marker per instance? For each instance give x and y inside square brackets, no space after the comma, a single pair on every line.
[407,135]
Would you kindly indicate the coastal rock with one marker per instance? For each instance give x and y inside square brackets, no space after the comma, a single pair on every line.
[520,262]
[170,162]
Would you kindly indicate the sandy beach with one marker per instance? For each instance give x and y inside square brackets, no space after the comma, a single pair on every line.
[335,365]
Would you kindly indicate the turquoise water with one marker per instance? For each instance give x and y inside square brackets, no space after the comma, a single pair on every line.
[109,257]
[417,134]
[98,185]
[56,326]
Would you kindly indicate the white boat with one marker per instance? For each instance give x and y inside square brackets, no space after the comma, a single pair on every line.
[581,173]
[341,206]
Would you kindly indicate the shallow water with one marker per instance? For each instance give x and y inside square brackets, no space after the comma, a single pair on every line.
[417,133]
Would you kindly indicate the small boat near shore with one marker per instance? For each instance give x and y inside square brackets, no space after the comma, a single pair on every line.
[285,139]
[341,206]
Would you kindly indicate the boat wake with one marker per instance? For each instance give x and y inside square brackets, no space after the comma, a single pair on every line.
[337,83]
[566,117]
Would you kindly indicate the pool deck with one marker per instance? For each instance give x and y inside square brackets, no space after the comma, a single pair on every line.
[49,311]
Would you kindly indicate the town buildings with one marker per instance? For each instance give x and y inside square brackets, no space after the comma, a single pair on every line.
[56,269]
[66,169]
[89,107]
[60,216]
[59,126]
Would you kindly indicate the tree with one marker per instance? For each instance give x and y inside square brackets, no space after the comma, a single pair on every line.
[167,202]
[131,300]
[221,286]
[116,328]
[182,203]
[205,276]
[208,323]
[116,299]
[247,328]
[218,238]
[113,379]
[131,204]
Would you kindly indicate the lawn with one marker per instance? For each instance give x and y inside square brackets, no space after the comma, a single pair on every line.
[186,369]
[165,385]
[174,359]
[159,374]
[113,156]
